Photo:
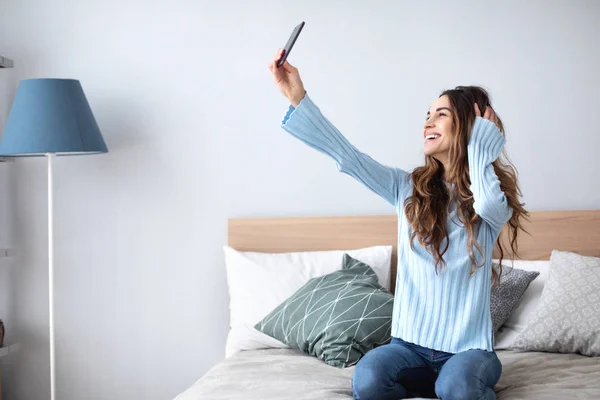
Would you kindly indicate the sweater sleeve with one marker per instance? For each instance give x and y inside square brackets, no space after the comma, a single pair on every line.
[484,147]
[306,123]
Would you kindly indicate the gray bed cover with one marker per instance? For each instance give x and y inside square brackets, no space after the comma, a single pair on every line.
[284,374]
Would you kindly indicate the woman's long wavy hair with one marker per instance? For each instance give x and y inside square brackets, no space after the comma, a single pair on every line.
[427,209]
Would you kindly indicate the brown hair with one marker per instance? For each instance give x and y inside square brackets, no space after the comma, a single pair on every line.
[428,208]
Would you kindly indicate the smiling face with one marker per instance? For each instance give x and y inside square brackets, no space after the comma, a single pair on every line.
[438,131]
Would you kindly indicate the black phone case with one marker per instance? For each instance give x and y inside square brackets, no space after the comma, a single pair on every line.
[290,43]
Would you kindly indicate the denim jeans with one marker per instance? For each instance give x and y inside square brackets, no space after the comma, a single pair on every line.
[400,370]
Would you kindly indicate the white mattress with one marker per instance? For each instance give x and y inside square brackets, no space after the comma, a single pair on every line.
[285,374]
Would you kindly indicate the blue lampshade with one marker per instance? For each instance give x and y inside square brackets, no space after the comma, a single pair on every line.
[51,116]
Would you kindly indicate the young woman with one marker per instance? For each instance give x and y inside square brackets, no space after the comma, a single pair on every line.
[450,214]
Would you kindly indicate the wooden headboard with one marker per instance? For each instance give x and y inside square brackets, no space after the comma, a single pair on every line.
[576,231]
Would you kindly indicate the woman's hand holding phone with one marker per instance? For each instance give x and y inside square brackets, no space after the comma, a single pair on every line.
[287,79]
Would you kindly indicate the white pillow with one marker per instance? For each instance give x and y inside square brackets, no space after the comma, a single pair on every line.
[259,282]
[530,301]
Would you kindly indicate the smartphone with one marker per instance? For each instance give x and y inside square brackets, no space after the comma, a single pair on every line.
[290,43]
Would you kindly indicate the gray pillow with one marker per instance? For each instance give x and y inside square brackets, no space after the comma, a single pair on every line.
[337,317]
[507,295]
[567,319]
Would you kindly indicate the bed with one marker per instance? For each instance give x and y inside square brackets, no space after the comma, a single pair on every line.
[282,373]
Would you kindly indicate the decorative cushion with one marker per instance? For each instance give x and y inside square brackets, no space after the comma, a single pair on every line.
[259,282]
[517,321]
[568,317]
[338,317]
[508,294]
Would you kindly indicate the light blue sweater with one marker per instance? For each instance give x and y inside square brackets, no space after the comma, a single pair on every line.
[445,312]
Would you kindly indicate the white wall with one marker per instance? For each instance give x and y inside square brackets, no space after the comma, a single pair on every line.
[182,93]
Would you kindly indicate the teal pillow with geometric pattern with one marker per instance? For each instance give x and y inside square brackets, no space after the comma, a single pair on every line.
[337,317]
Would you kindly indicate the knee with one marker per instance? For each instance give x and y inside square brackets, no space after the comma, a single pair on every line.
[454,392]
[367,382]
[460,390]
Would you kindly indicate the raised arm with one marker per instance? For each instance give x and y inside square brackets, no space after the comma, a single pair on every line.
[307,123]
[484,147]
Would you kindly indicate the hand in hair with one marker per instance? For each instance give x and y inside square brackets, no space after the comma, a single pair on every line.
[489,114]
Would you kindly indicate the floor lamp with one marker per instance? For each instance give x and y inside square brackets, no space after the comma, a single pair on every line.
[51,117]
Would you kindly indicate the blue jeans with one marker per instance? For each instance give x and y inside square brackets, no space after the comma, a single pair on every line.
[400,370]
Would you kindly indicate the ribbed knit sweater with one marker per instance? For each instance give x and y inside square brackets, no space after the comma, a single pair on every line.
[446,311]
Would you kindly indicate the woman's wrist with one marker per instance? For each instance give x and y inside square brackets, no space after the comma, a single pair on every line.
[295,100]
